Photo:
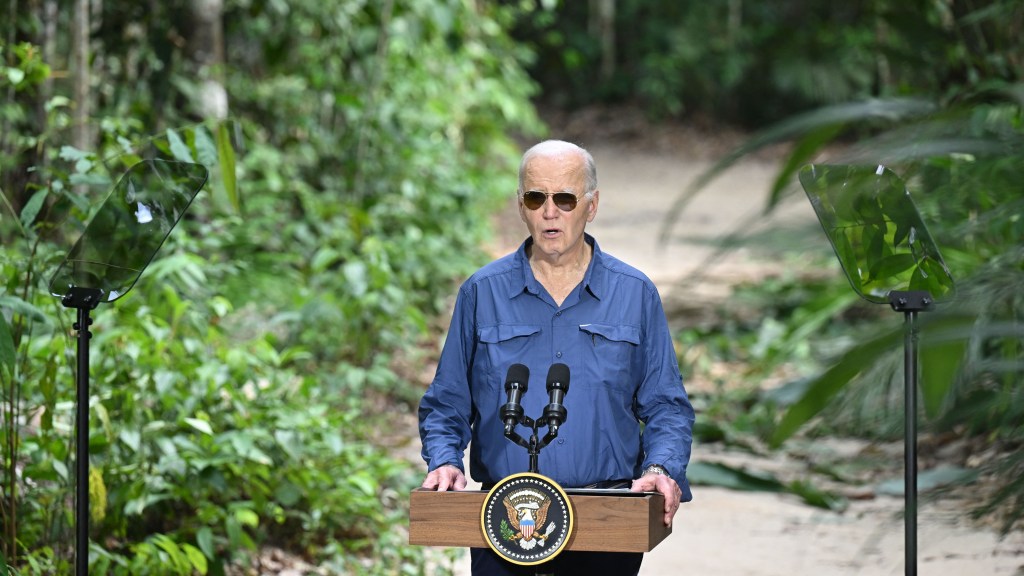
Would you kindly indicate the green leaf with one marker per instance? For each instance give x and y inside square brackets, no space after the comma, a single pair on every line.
[816,497]
[61,469]
[204,538]
[206,148]
[178,147]
[195,558]
[137,506]
[930,480]
[848,258]
[237,537]
[19,306]
[15,75]
[931,277]
[355,277]
[874,239]
[173,551]
[364,482]
[200,425]
[226,156]
[891,266]
[806,148]
[247,517]
[32,207]
[324,258]
[822,389]
[72,154]
[724,476]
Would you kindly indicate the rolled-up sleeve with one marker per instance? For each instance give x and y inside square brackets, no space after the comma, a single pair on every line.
[661,401]
[446,409]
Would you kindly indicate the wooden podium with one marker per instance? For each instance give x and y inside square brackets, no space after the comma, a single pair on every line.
[605,521]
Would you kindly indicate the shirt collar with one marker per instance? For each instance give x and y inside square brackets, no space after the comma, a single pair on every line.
[523,279]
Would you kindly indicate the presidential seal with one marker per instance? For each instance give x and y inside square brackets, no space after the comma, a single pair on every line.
[527,519]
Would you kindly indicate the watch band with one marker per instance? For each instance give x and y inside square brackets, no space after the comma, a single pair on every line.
[656,469]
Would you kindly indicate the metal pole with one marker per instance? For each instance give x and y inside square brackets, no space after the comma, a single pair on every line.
[82,446]
[910,443]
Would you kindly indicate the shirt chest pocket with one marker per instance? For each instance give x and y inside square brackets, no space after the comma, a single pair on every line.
[506,344]
[611,352]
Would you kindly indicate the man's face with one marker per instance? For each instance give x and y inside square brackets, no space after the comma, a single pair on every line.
[556,232]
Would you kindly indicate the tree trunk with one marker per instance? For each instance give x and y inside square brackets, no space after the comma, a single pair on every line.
[49,47]
[602,25]
[81,137]
[206,50]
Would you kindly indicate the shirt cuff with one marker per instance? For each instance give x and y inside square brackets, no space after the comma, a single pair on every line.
[456,463]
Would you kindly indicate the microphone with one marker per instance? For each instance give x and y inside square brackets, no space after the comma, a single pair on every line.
[558,387]
[516,382]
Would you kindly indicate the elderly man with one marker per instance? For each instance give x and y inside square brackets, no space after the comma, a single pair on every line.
[560,299]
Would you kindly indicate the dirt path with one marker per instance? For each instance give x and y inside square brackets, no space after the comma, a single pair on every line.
[727,533]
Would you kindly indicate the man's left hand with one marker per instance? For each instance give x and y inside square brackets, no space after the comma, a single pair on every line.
[664,485]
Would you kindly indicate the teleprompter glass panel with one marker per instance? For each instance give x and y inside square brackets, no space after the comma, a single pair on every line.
[129,228]
[876,231]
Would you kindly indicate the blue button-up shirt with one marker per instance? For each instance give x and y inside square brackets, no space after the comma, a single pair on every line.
[626,406]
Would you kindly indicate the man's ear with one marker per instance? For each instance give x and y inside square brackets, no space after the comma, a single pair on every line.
[592,206]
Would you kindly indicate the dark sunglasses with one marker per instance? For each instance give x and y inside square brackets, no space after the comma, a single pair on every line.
[563,200]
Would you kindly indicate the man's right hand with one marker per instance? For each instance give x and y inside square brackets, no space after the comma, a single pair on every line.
[445,478]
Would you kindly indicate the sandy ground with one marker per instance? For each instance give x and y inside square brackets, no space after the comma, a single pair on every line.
[728,533]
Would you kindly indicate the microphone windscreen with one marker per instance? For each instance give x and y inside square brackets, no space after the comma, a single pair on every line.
[559,373]
[520,374]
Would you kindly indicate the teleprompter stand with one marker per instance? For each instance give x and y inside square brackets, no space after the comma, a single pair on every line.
[103,265]
[889,258]
[84,300]
[910,303]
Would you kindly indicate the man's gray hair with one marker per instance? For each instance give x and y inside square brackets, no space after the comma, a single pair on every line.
[557,148]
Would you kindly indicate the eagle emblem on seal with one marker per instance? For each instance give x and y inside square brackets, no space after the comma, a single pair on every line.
[527,515]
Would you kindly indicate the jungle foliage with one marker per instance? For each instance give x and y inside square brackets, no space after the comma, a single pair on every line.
[243,391]
[754,63]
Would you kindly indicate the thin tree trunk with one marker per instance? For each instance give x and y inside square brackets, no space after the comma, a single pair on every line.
[81,137]
[206,49]
[49,46]
[602,25]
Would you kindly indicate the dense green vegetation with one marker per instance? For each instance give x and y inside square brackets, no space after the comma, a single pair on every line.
[242,392]
[239,389]
[754,63]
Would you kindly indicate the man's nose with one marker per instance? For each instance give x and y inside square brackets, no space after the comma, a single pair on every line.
[549,208]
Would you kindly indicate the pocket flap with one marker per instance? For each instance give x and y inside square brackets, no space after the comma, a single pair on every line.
[614,332]
[503,332]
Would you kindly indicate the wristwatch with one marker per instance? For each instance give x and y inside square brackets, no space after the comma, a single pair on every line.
[656,469]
